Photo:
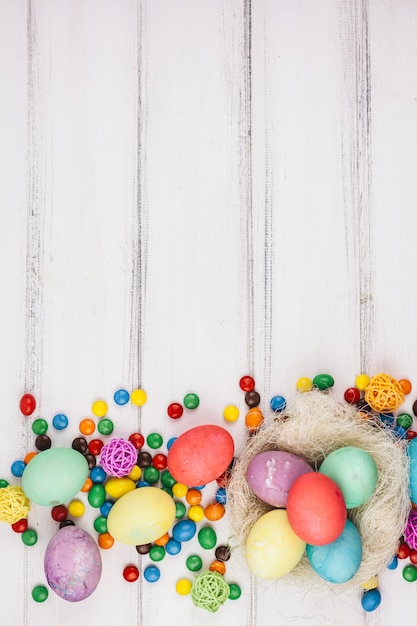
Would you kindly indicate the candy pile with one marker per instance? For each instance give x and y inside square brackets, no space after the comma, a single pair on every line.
[145,496]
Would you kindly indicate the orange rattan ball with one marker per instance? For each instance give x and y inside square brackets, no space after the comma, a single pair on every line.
[384,393]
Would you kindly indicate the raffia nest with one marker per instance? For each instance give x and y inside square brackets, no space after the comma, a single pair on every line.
[312,428]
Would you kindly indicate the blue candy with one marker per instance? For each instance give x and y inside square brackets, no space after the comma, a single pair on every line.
[371,600]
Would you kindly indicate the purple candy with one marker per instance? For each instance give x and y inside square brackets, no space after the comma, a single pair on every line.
[271,474]
[72,564]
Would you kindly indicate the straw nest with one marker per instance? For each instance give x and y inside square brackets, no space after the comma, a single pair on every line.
[312,428]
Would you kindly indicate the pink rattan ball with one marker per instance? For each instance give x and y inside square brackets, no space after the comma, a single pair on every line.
[118,457]
[410,532]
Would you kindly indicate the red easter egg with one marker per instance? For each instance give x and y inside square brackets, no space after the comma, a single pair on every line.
[200,455]
[316,509]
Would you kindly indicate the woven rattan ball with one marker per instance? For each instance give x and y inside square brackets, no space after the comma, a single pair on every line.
[14,505]
[384,393]
[118,457]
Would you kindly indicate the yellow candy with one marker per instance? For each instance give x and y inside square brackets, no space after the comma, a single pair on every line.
[304,384]
[135,473]
[372,583]
[362,381]
[196,513]
[179,490]
[183,586]
[76,508]
[138,397]
[99,408]
[231,413]
[118,487]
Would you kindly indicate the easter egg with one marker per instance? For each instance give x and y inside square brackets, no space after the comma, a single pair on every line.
[316,509]
[412,457]
[354,471]
[271,474]
[200,455]
[72,564]
[272,548]
[54,476]
[339,560]
[141,516]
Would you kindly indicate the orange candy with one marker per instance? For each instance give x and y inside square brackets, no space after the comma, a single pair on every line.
[29,457]
[87,426]
[218,566]
[105,541]
[87,485]
[405,385]
[254,418]
[214,511]
[193,496]
[162,541]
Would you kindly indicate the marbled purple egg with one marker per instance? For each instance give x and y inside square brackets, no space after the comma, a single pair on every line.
[271,474]
[72,564]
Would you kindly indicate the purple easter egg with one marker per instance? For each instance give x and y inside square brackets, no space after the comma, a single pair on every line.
[270,475]
[72,564]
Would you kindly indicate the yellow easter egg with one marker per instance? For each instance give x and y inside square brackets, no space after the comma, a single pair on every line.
[141,516]
[118,487]
[272,547]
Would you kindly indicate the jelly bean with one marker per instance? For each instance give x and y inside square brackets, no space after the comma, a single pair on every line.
[100,524]
[144,459]
[29,456]
[87,485]
[183,586]
[3,483]
[196,513]
[180,509]
[175,410]
[99,408]
[137,439]
[87,426]
[159,461]
[247,383]
[277,404]
[252,398]
[20,526]
[191,401]
[217,566]
[405,385]
[184,530]
[43,442]
[193,496]
[98,475]
[91,460]
[17,468]
[371,600]
[403,551]
[39,426]
[151,474]
[163,540]
[130,573]
[157,553]
[173,547]
[97,495]
[231,413]
[170,442]
[304,384]
[221,495]
[121,397]
[222,553]
[105,426]
[413,556]
[410,573]
[154,440]
[214,511]
[254,418]
[404,420]
[144,548]
[393,564]
[27,404]
[151,573]
[207,538]
[138,397]
[95,446]
[59,512]
[105,507]
[135,473]
[66,522]
[388,420]
[40,593]
[362,381]
[194,563]
[105,541]
[323,381]
[60,421]
[179,490]
[352,395]
[234,591]
[76,508]
[29,537]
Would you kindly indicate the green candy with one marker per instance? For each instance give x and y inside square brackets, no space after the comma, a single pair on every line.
[40,426]
[97,495]
[410,573]
[404,420]
[157,553]
[323,381]
[234,591]
[180,509]
[151,474]
[154,440]
[167,479]
[194,563]
[39,593]
[191,401]
[105,426]
[100,524]
[207,538]
[29,537]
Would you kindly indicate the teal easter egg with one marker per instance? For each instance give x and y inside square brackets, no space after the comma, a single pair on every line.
[338,561]
[412,456]
[54,476]
[354,471]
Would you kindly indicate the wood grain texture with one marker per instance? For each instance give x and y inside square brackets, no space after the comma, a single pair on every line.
[192,191]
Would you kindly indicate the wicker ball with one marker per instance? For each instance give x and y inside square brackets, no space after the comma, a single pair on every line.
[210,591]
[384,393]
[118,457]
[410,532]
[14,505]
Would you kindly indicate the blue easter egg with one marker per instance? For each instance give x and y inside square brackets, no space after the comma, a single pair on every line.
[338,561]
[412,455]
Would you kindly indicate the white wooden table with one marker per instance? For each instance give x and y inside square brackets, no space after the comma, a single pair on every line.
[191,191]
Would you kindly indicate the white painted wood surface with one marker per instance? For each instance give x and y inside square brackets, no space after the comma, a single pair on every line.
[191,191]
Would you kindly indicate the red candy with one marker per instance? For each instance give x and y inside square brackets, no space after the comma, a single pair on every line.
[175,410]
[20,526]
[95,446]
[352,395]
[27,404]
[403,551]
[130,573]
[138,440]
[159,461]
[247,383]
[59,512]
